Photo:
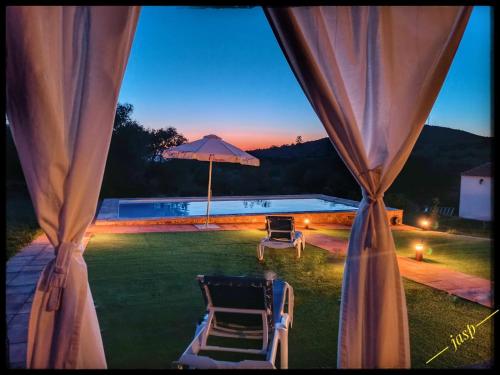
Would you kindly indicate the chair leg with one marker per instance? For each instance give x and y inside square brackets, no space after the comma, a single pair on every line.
[260,252]
[284,349]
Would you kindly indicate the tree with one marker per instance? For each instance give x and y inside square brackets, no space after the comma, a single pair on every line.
[434,214]
[122,116]
[130,168]
[298,140]
[128,155]
[161,139]
[14,172]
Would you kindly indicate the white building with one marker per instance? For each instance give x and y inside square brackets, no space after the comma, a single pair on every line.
[475,193]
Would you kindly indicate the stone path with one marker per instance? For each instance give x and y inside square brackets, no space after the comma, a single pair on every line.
[162,228]
[192,228]
[472,288]
[23,271]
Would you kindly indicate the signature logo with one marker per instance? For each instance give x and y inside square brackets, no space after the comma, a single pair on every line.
[467,334]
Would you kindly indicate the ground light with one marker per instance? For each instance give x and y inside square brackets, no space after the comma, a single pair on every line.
[306,223]
[424,223]
[419,251]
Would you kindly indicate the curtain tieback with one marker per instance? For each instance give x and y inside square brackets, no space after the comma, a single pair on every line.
[376,171]
[59,275]
[372,198]
[369,239]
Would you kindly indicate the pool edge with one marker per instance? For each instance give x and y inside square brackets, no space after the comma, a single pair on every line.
[108,213]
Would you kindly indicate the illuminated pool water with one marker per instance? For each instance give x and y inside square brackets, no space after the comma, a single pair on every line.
[163,208]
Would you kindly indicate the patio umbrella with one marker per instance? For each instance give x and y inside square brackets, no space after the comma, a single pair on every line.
[212,149]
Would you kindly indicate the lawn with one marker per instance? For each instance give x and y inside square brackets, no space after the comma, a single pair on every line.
[21,224]
[148,301]
[471,255]
[453,224]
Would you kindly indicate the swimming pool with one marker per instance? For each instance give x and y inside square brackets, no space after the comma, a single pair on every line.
[317,208]
[157,209]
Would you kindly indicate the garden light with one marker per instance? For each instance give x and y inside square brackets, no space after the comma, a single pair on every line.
[425,223]
[419,251]
[306,222]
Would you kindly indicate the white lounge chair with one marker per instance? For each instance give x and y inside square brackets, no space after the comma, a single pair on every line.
[244,308]
[281,234]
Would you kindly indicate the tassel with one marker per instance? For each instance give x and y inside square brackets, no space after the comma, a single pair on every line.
[59,274]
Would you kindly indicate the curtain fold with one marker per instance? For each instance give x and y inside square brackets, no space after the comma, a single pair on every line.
[64,69]
[372,75]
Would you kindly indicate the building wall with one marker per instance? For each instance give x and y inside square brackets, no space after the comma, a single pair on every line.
[475,198]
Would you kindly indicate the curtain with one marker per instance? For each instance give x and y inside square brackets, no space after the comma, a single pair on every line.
[64,68]
[372,75]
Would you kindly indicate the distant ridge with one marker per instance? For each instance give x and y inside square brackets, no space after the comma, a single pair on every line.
[432,170]
[431,136]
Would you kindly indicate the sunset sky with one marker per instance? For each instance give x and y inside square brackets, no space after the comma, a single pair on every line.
[221,71]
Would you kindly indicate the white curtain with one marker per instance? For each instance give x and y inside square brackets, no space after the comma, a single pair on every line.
[64,68]
[372,75]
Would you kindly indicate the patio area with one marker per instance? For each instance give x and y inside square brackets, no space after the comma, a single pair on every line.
[159,302]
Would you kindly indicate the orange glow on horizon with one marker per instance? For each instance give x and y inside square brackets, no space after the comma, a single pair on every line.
[252,141]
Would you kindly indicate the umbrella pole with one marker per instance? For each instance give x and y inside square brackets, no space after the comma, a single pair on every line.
[209,191]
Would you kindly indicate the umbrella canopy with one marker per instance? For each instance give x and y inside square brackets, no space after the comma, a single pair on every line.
[211,148]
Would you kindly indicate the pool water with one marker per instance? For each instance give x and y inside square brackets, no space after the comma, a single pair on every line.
[158,209]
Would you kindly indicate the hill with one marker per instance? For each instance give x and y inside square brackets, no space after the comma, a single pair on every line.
[433,169]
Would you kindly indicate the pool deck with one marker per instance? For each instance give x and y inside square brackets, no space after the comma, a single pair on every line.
[108,212]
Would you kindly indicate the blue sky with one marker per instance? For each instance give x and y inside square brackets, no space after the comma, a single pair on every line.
[221,71]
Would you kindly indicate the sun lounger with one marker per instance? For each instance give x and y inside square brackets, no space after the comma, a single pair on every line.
[281,234]
[246,308]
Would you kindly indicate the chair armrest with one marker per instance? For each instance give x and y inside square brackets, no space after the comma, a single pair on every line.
[201,324]
[284,322]
[288,295]
[203,317]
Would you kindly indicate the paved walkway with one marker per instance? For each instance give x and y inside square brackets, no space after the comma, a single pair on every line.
[191,228]
[23,271]
[162,228]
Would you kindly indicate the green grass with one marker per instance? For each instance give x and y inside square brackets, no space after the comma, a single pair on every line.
[21,224]
[148,301]
[453,224]
[465,254]
[337,233]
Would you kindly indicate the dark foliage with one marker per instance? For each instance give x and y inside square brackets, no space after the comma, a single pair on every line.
[135,167]
[14,172]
